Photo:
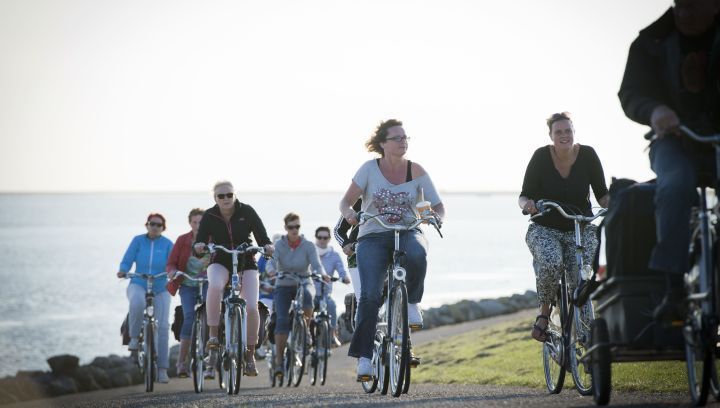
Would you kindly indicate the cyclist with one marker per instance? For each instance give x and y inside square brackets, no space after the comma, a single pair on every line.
[149,252]
[348,244]
[562,171]
[332,263]
[229,223]
[294,257]
[389,187]
[182,259]
[671,76]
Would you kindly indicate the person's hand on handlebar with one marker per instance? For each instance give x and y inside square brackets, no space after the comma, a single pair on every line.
[269,249]
[351,216]
[346,280]
[121,274]
[199,247]
[530,207]
[664,121]
[349,249]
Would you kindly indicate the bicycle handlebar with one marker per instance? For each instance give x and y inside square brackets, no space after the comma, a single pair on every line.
[181,273]
[143,275]
[709,139]
[241,249]
[545,206]
[364,217]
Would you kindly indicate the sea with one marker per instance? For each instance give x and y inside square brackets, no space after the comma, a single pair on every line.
[59,254]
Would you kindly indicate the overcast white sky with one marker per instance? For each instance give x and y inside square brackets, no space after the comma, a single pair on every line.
[173,95]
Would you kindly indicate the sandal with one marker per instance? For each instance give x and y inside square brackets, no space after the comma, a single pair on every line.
[539,333]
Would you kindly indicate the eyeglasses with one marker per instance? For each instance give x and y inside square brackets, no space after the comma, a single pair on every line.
[292,227]
[324,238]
[398,138]
[155,224]
[222,196]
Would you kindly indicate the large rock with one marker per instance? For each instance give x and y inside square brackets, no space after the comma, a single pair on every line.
[55,386]
[89,378]
[63,364]
[492,307]
[120,376]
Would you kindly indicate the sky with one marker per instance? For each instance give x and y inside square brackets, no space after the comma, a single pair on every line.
[275,95]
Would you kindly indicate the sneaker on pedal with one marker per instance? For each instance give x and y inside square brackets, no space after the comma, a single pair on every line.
[134,344]
[209,373]
[364,369]
[163,376]
[260,353]
[335,342]
[415,320]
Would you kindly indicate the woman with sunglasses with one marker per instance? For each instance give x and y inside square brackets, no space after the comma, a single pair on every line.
[562,171]
[389,186]
[295,257]
[229,223]
[331,262]
[149,252]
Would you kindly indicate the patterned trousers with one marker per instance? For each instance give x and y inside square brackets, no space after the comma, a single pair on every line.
[553,252]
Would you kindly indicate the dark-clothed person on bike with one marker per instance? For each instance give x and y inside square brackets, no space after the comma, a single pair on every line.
[672,76]
[563,172]
[389,187]
[229,223]
[295,258]
[149,252]
[182,259]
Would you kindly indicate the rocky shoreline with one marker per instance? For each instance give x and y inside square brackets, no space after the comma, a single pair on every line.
[67,376]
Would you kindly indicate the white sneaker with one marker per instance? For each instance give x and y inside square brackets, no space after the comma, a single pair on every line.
[134,344]
[415,320]
[364,369]
[162,376]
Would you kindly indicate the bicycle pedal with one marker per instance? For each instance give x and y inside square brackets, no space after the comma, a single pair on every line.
[415,327]
[364,378]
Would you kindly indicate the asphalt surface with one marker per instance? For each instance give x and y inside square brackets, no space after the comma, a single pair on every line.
[342,390]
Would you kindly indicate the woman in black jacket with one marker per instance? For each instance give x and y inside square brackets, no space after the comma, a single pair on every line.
[229,223]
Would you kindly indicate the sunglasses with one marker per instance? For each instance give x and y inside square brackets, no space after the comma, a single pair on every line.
[324,238]
[398,138]
[293,227]
[222,196]
[155,224]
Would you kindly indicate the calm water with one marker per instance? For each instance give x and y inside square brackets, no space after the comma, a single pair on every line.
[59,254]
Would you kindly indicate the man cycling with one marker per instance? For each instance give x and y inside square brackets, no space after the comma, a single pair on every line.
[672,76]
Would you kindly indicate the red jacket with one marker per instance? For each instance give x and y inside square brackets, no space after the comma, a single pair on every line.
[180,253]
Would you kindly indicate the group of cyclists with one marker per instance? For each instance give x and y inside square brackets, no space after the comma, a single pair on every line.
[672,77]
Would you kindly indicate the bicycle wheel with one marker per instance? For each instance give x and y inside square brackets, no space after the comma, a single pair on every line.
[600,362]
[324,340]
[581,371]
[554,355]
[398,353]
[314,352]
[698,358]
[714,385]
[219,369]
[299,346]
[406,384]
[370,386]
[149,362]
[197,351]
[238,348]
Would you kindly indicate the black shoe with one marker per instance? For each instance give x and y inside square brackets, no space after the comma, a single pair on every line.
[584,290]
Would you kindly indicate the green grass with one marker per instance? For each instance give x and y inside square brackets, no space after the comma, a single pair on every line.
[505,354]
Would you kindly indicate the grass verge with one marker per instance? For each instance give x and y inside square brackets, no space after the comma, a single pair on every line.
[505,354]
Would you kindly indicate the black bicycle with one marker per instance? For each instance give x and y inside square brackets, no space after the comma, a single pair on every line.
[320,332]
[567,343]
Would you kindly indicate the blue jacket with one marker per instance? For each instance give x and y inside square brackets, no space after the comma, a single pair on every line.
[149,256]
[331,262]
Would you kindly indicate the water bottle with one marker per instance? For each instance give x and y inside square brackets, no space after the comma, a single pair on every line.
[235,281]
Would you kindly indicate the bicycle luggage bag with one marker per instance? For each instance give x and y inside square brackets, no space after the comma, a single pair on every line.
[629,228]
[125,330]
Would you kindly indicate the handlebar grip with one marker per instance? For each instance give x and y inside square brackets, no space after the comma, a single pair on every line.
[649,135]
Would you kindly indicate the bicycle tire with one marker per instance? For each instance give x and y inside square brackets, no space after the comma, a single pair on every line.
[219,369]
[406,384]
[601,362]
[299,350]
[698,359]
[553,350]
[398,347]
[370,386]
[197,351]
[238,348]
[325,347]
[149,362]
[314,353]
[581,370]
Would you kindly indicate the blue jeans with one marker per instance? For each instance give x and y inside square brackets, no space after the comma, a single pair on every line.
[677,169]
[283,297]
[331,309]
[188,294]
[374,254]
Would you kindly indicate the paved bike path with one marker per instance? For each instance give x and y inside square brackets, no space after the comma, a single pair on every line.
[342,390]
